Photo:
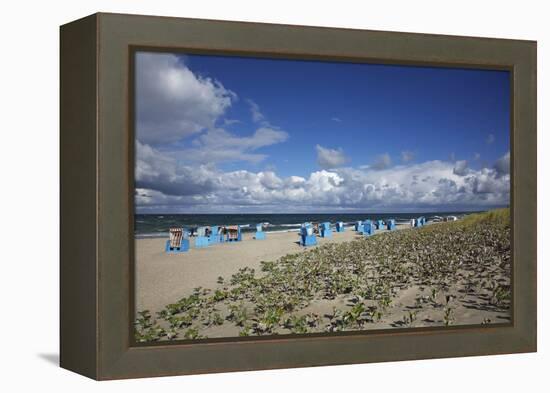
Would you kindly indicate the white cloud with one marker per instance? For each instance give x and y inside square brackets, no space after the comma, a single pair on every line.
[330,158]
[502,165]
[429,185]
[490,139]
[461,168]
[336,119]
[218,145]
[256,113]
[158,171]
[172,102]
[382,161]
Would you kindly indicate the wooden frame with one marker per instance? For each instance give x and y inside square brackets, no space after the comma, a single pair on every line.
[96,183]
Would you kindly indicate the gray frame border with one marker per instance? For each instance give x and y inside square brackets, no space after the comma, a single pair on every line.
[110,343]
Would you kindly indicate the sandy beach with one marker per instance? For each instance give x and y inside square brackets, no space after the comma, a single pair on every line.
[455,273]
[164,278]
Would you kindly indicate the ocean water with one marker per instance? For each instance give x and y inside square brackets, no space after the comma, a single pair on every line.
[157,225]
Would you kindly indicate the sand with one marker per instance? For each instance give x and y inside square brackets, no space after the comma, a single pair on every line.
[164,278]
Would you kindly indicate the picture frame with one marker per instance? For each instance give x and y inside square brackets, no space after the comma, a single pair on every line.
[97,163]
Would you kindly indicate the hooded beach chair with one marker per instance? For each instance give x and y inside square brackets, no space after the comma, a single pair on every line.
[215,235]
[419,222]
[368,228]
[413,222]
[339,226]
[307,238]
[359,226]
[203,237]
[324,229]
[178,241]
[233,233]
[379,224]
[364,225]
[260,234]
[390,224]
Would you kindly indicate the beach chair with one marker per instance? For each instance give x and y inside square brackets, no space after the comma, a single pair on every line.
[339,226]
[379,224]
[216,234]
[420,222]
[364,224]
[178,241]
[307,238]
[315,226]
[413,222]
[260,234]
[233,233]
[202,238]
[368,228]
[423,220]
[325,230]
[359,226]
[390,224]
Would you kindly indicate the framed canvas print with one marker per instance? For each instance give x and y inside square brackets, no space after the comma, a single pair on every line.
[240,196]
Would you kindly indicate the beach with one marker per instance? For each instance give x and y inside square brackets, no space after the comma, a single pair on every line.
[445,274]
[163,278]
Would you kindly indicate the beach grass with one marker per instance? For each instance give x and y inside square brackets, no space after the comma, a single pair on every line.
[450,273]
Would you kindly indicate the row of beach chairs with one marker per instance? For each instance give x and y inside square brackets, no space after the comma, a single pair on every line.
[206,236]
[418,222]
[178,241]
[309,231]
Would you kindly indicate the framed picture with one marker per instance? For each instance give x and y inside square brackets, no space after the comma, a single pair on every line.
[241,196]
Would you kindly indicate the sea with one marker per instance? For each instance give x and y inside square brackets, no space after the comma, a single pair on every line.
[157,225]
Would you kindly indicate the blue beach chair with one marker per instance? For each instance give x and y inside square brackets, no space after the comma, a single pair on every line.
[202,239]
[216,234]
[307,238]
[365,223]
[420,221]
[260,234]
[368,228]
[390,224]
[178,242]
[379,224]
[324,229]
[339,226]
[359,226]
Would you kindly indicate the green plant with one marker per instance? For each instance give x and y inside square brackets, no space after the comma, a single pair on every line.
[448,316]
[193,334]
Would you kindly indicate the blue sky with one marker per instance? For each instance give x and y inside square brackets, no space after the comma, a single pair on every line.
[258,134]
[433,112]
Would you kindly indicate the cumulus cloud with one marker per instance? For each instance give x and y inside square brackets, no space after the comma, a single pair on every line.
[430,185]
[172,102]
[407,156]
[461,168]
[382,161]
[502,166]
[330,158]
[162,173]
